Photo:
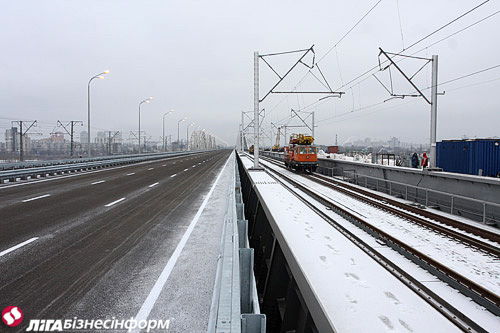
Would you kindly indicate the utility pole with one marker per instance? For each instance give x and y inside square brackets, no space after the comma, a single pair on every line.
[21,135]
[109,140]
[434,94]
[256,122]
[70,132]
[434,109]
[312,129]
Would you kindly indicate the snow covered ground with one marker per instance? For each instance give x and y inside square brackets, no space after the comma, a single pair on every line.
[347,282]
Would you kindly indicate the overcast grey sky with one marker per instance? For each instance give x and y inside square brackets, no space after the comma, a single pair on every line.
[196,57]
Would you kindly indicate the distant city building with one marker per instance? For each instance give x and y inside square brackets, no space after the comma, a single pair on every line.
[11,140]
[394,143]
[83,137]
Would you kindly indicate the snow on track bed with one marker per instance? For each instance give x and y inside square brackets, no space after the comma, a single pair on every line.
[486,320]
[475,265]
[345,280]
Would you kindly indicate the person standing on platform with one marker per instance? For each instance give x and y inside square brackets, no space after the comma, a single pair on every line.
[425,161]
[414,160]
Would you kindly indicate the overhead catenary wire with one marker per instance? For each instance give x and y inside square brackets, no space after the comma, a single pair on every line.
[439,84]
[350,30]
[367,74]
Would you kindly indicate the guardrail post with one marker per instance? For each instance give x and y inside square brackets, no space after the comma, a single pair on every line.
[246,271]
[253,323]
[242,232]
[484,212]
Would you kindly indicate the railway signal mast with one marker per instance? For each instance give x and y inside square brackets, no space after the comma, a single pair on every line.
[257,100]
[434,93]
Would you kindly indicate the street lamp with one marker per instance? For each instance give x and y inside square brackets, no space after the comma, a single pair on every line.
[169,112]
[178,126]
[187,135]
[147,100]
[98,76]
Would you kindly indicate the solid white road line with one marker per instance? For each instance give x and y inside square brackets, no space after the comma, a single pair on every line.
[150,301]
[173,175]
[114,202]
[152,185]
[40,197]
[130,174]
[18,246]
[98,182]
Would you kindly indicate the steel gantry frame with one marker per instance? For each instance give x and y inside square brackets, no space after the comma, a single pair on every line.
[434,93]
[257,99]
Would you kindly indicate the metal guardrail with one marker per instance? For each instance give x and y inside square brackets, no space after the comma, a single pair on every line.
[235,303]
[37,164]
[486,212]
[425,196]
[81,165]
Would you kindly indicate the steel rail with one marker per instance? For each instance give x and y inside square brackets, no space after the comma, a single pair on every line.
[371,199]
[446,309]
[478,293]
[402,210]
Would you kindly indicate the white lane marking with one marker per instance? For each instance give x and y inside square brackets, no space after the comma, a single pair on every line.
[152,185]
[186,169]
[36,198]
[173,175]
[114,202]
[150,169]
[150,301]
[130,174]
[18,246]
[98,182]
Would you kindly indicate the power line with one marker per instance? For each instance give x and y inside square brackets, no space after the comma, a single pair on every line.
[447,24]
[349,31]
[459,31]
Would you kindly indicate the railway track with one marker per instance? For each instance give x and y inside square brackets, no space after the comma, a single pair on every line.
[415,215]
[478,293]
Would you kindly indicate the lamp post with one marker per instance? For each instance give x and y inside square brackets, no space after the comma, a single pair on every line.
[147,100]
[98,76]
[187,135]
[169,112]
[178,126]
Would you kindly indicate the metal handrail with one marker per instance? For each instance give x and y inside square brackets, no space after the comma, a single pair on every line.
[356,177]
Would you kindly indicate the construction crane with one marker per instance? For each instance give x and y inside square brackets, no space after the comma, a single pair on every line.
[276,146]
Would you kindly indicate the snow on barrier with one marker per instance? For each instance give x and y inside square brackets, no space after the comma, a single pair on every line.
[235,303]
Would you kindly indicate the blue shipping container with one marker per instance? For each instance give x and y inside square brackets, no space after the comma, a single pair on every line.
[470,156]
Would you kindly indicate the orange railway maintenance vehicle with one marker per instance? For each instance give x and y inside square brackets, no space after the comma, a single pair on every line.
[301,155]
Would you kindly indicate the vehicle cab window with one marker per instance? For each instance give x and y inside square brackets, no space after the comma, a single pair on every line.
[303,150]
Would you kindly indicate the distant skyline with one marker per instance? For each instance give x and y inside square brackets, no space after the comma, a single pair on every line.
[197,59]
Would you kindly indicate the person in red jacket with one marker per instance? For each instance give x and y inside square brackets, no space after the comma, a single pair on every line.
[425,161]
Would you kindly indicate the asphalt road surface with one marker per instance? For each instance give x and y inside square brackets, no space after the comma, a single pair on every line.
[76,228]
